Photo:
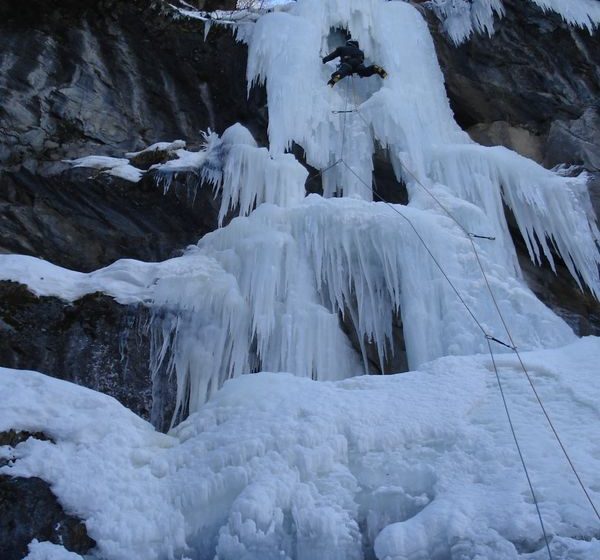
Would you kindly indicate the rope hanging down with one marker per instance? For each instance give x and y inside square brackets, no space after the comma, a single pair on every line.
[489,338]
[511,344]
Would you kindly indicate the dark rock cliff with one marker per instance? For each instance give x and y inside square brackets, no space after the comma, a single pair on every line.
[533,86]
[104,77]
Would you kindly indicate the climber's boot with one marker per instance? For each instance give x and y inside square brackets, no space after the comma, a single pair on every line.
[380,71]
[335,78]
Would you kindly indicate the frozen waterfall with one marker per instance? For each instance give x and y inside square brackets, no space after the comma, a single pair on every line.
[298,265]
[307,459]
[268,290]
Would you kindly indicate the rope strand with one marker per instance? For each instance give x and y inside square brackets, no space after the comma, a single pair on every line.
[512,344]
[489,338]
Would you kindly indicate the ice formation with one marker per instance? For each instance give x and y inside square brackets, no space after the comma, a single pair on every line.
[419,466]
[463,17]
[416,466]
[267,291]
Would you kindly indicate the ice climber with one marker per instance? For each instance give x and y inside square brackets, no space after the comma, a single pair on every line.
[351,62]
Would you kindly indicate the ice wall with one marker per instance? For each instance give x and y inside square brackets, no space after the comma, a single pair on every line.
[410,115]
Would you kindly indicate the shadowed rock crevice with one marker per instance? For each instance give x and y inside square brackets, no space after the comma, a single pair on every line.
[29,510]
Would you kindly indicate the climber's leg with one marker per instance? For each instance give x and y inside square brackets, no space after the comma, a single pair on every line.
[342,71]
[370,71]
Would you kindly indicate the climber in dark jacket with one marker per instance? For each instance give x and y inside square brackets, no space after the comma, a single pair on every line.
[351,62]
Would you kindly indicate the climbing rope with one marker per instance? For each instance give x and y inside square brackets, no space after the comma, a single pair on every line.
[489,338]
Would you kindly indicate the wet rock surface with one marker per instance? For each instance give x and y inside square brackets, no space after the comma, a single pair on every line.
[94,342]
[29,510]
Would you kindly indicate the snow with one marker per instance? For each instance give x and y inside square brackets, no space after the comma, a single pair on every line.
[159,147]
[48,551]
[118,167]
[420,465]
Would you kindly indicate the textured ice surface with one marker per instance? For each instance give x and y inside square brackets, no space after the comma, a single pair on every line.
[409,114]
[420,465]
[463,17]
[159,147]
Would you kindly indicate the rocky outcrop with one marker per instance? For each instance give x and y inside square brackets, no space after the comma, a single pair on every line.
[94,342]
[533,86]
[104,77]
[84,220]
[29,510]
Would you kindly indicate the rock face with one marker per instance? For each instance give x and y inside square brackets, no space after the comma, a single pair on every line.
[83,77]
[103,77]
[84,220]
[533,86]
[94,342]
[29,510]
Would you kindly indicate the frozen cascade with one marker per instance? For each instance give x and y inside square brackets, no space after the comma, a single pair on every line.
[267,290]
[298,265]
[273,282]
[411,116]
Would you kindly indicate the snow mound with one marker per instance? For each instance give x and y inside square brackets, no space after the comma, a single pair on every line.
[49,551]
[420,465]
